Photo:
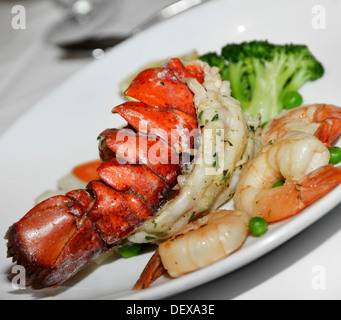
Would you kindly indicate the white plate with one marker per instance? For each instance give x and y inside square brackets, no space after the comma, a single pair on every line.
[61,130]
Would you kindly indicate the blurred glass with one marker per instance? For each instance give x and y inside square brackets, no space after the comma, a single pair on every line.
[81,18]
[85,10]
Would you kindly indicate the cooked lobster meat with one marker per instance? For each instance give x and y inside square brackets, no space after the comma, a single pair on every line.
[63,234]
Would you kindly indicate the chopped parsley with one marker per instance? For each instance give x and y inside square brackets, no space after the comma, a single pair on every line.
[200,115]
[149,238]
[215,118]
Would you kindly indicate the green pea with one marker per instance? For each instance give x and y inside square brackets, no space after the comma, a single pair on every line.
[335,155]
[258,226]
[292,99]
[130,250]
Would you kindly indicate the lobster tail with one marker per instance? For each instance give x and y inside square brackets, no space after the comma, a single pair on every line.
[55,239]
[63,234]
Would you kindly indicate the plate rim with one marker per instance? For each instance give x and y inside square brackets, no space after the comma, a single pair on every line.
[153,293]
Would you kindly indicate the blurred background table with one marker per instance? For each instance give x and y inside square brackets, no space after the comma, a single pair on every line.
[31,68]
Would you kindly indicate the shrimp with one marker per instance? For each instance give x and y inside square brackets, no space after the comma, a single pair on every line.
[302,161]
[199,244]
[321,120]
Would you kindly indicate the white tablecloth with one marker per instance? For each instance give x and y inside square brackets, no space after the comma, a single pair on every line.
[306,267]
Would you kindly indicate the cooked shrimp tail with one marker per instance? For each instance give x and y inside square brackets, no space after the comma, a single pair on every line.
[152,271]
[330,118]
[321,120]
[286,201]
[318,183]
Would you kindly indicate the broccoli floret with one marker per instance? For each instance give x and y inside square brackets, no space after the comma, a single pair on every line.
[262,74]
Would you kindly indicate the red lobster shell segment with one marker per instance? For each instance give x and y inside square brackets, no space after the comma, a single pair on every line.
[63,234]
[162,88]
[134,178]
[135,148]
[172,126]
[115,214]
